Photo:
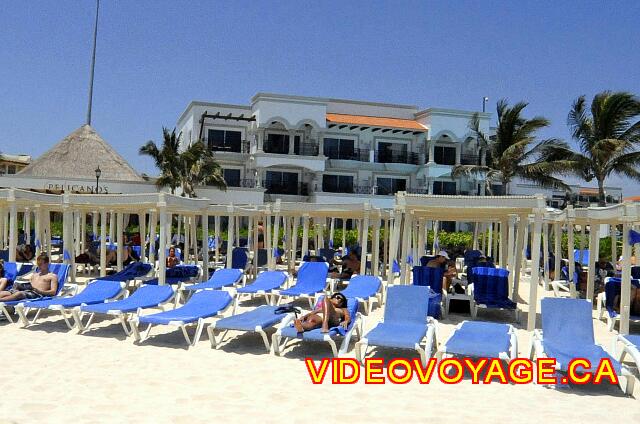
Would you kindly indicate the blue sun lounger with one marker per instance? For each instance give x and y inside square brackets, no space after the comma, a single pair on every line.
[491,290]
[311,280]
[146,296]
[202,305]
[606,300]
[567,333]
[287,332]
[61,270]
[481,340]
[365,289]
[220,278]
[264,285]
[254,321]
[405,325]
[97,292]
[130,272]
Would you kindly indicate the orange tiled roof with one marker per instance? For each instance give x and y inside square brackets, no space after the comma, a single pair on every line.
[587,190]
[375,121]
[633,198]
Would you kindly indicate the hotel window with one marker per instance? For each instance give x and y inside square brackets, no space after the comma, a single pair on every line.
[225,141]
[392,153]
[444,155]
[231,177]
[11,169]
[387,186]
[277,143]
[444,187]
[281,182]
[337,183]
[339,148]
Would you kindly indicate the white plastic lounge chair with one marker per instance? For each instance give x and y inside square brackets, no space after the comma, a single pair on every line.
[630,346]
[481,340]
[202,305]
[61,270]
[264,285]
[566,284]
[365,289]
[406,323]
[568,334]
[311,280]
[147,296]
[97,292]
[286,332]
[256,320]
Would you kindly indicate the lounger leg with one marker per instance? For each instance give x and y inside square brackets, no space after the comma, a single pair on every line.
[423,356]
[361,349]
[22,315]
[474,309]
[610,323]
[4,310]
[199,328]
[627,381]
[334,349]
[76,314]
[70,324]
[278,342]
[265,338]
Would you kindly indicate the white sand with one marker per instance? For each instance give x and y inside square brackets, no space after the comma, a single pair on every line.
[51,375]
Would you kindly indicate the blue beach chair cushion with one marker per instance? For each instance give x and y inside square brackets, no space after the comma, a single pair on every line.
[202,304]
[266,281]
[362,287]
[147,296]
[568,332]
[480,339]
[220,278]
[96,292]
[491,287]
[312,278]
[263,316]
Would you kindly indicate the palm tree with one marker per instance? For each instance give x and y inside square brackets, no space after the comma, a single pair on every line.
[513,151]
[199,168]
[166,159]
[607,138]
[186,170]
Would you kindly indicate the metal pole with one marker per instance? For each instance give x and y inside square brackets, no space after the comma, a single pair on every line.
[93,65]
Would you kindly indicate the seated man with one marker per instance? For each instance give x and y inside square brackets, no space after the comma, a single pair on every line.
[350,266]
[440,261]
[330,312]
[43,283]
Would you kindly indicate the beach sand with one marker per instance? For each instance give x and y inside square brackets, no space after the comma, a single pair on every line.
[51,374]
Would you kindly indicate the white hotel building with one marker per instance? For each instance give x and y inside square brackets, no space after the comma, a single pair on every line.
[318,150]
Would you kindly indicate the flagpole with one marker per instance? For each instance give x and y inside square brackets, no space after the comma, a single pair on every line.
[93,64]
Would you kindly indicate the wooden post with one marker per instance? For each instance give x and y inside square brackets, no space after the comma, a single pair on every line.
[103,242]
[13,226]
[142,233]
[120,247]
[557,249]
[205,246]
[305,235]
[625,296]
[153,222]
[406,244]
[364,228]
[535,260]
[594,253]
[162,249]
[522,224]
[230,236]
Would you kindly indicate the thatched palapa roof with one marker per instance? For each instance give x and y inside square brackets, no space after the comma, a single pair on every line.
[78,155]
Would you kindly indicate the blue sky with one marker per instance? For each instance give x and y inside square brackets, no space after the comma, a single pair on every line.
[154,56]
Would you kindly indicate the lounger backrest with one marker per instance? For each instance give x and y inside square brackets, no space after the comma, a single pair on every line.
[490,285]
[635,272]
[208,300]
[565,275]
[312,276]
[271,277]
[585,256]
[428,276]
[10,271]
[408,304]
[239,258]
[327,254]
[183,271]
[565,320]
[226,276]
[471,257]
[151,293]
[100,289]
[62,271]
[362,286]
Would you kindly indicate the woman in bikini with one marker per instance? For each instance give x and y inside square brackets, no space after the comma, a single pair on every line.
[330,312]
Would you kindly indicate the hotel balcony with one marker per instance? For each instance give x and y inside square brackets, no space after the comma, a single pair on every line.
[242,183]
[385,156]
[298,155]
[360,155]
[242,147]
[347,189]
[469,159]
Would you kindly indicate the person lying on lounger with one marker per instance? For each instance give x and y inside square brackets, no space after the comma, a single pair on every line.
[330,312]
[43,283]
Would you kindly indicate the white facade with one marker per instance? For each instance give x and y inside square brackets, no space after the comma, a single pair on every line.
[319,150]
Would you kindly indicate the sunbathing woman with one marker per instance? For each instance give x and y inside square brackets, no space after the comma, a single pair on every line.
[331,312]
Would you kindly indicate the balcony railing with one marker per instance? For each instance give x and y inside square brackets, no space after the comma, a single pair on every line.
[242,147]
[302,149]
[469,159]
[246,183]
[410,158]
[300,189]
[356,189]
[361,155]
